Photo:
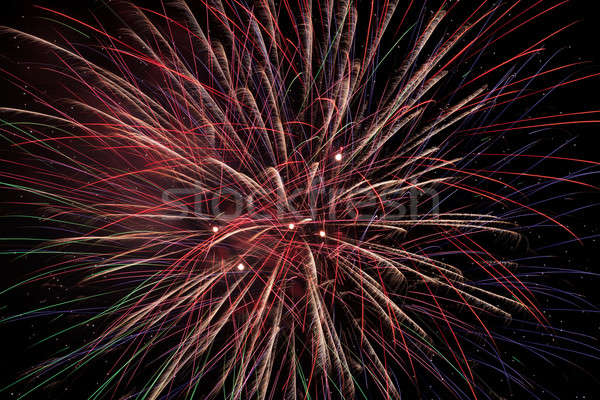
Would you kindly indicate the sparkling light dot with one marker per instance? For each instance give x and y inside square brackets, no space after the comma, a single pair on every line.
[241,267]
[338,157]
[322,233]
[291,226]
[215,229]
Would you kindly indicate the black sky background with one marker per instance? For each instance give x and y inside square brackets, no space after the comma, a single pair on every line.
[581,42]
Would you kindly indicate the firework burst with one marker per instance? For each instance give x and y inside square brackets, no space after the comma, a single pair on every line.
[260,189]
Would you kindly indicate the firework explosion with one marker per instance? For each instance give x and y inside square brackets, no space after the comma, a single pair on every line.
[287,200]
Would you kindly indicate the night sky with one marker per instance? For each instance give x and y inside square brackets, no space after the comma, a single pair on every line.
[577,378]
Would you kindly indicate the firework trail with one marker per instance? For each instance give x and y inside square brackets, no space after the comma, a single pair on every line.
[258,189]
